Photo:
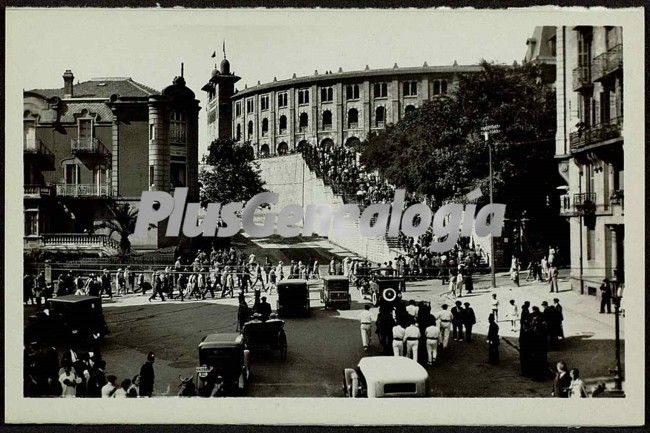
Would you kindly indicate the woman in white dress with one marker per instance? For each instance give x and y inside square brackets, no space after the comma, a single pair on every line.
[513,315]
[577,388]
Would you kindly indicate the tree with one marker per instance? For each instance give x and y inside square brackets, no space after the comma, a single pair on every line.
[122,221]
[232,176]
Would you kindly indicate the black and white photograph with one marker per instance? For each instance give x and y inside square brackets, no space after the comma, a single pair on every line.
[246,210]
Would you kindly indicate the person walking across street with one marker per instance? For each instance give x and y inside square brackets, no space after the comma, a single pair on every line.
[412,335]
[469,320]
[513,315]
[432,334]
[457,321]
[494,304]
[366,325]
[444,317]
[552,278]
[560,318]
[493,340]
[398,339]
[147,376]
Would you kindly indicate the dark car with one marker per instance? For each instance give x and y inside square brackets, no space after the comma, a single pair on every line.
[382,288]
[76,319]
[265,336]
[223,362]
[293,298]
[336,292]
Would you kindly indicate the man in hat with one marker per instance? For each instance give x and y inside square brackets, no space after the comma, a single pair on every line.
[605,296]
[264,308]
[147,376]
[469,319]
[457,321]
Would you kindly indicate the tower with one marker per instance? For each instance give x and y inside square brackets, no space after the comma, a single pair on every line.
[220,89]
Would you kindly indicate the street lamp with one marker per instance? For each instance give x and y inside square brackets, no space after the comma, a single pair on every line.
[618,370]
[487,130]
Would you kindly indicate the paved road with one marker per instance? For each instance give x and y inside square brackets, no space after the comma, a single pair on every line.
[322,345]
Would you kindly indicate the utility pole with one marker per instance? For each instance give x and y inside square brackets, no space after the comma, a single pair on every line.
[486,130]
[618,370]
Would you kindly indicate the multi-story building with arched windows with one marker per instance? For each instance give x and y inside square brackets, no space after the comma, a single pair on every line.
[332,108]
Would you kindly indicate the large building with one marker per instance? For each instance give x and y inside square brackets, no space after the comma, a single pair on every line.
[589,150]
[88,144]
[331,108]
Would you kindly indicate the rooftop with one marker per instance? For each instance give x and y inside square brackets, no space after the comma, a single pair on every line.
[102,87]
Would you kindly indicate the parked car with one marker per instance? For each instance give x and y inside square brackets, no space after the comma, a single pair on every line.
[293,298]
[386,376]
[336,292]
[269,335]
[223,362]
[73,319]
[381,288]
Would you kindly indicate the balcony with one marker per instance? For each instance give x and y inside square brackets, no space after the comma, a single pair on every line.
[585,203]
[37,191]
[582,77]
[616,197]
[607,62]
[597,134]
[34,150]
[83,190]
[79,240]
[566,209]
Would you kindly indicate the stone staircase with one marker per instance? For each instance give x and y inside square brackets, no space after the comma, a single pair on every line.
[291,178]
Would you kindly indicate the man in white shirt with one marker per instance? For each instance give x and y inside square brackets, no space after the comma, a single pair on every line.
[412,336]
[432,333]
[412,309]
[398,340]
[366,325]
[444,318]
[69,381]
[109,389]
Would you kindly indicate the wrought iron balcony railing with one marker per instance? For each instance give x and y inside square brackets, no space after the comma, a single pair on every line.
[607,62]
[37,190]
[582,77]
[87,145]
[83,190]
[598,133]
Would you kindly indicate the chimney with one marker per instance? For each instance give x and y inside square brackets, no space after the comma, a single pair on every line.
[67,83]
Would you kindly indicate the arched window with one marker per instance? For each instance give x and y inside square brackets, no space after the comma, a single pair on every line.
[304,121]
[380,116]
[265,126]
[283,123]
[250,128]
[283,148]
[327,119]
[353,118]
[238,136]
[264,150]
[409,109]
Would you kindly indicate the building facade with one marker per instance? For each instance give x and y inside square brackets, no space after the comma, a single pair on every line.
[103,140]
[333,108]
[589,150]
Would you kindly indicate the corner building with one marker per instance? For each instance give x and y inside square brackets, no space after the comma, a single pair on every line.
[333,108]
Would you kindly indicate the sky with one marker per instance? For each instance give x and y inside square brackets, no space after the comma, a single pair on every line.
[149,45]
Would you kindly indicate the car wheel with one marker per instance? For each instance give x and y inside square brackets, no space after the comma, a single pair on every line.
[374,299]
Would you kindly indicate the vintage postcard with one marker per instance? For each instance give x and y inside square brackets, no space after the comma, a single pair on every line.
[318,216]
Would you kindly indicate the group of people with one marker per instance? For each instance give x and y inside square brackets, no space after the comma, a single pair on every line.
[80,374]
[406,329]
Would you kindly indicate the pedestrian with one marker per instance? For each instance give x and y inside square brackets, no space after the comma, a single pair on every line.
[525,336]
[258,277]
[460,281]
[412,309]
[552,278]
[412,336]
[157,288]
[560,318]
[147,376]
[493,340]
[469,320]
[106,283]
[513,315]
[398,339]
[452,283]
[544,270]
[432,334]
[134,389]
[577,388]
[123,389]
[605,296]
[69,381]
[539,345]
[111,386]
[494,303]
[366,325]
[457,321]
[28,289]
[550,317]
[562,381]
[444,318]
[264,308]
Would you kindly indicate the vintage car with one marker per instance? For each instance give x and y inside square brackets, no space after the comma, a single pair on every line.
[382,288]
[386,376]
[293,298]
[336,292]
[73,319]
[265,336]
[223,362]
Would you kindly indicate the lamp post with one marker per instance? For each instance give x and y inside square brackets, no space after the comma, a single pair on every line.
[487,130]
[618,370]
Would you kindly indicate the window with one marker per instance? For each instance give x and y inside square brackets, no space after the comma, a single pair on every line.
[152,131]
[304,121]
[409,109]
[591,243]
[352,91]
[552,46]
[85,132]
[605,101]
[29,134]
[151,175]
[282,100]
[353,118]
[327,119]
[584,48]
[380,116]
[265,126]
[238,136]
[31,222]
[71,174]
[283,123]
[303,96]
[250,105]
[326,94]
[410,88]
[250,128]
[380,90]
[585,110]
[440,87]
[238,108]
[177,128]
[178,172]
[610,37]
[264,102]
